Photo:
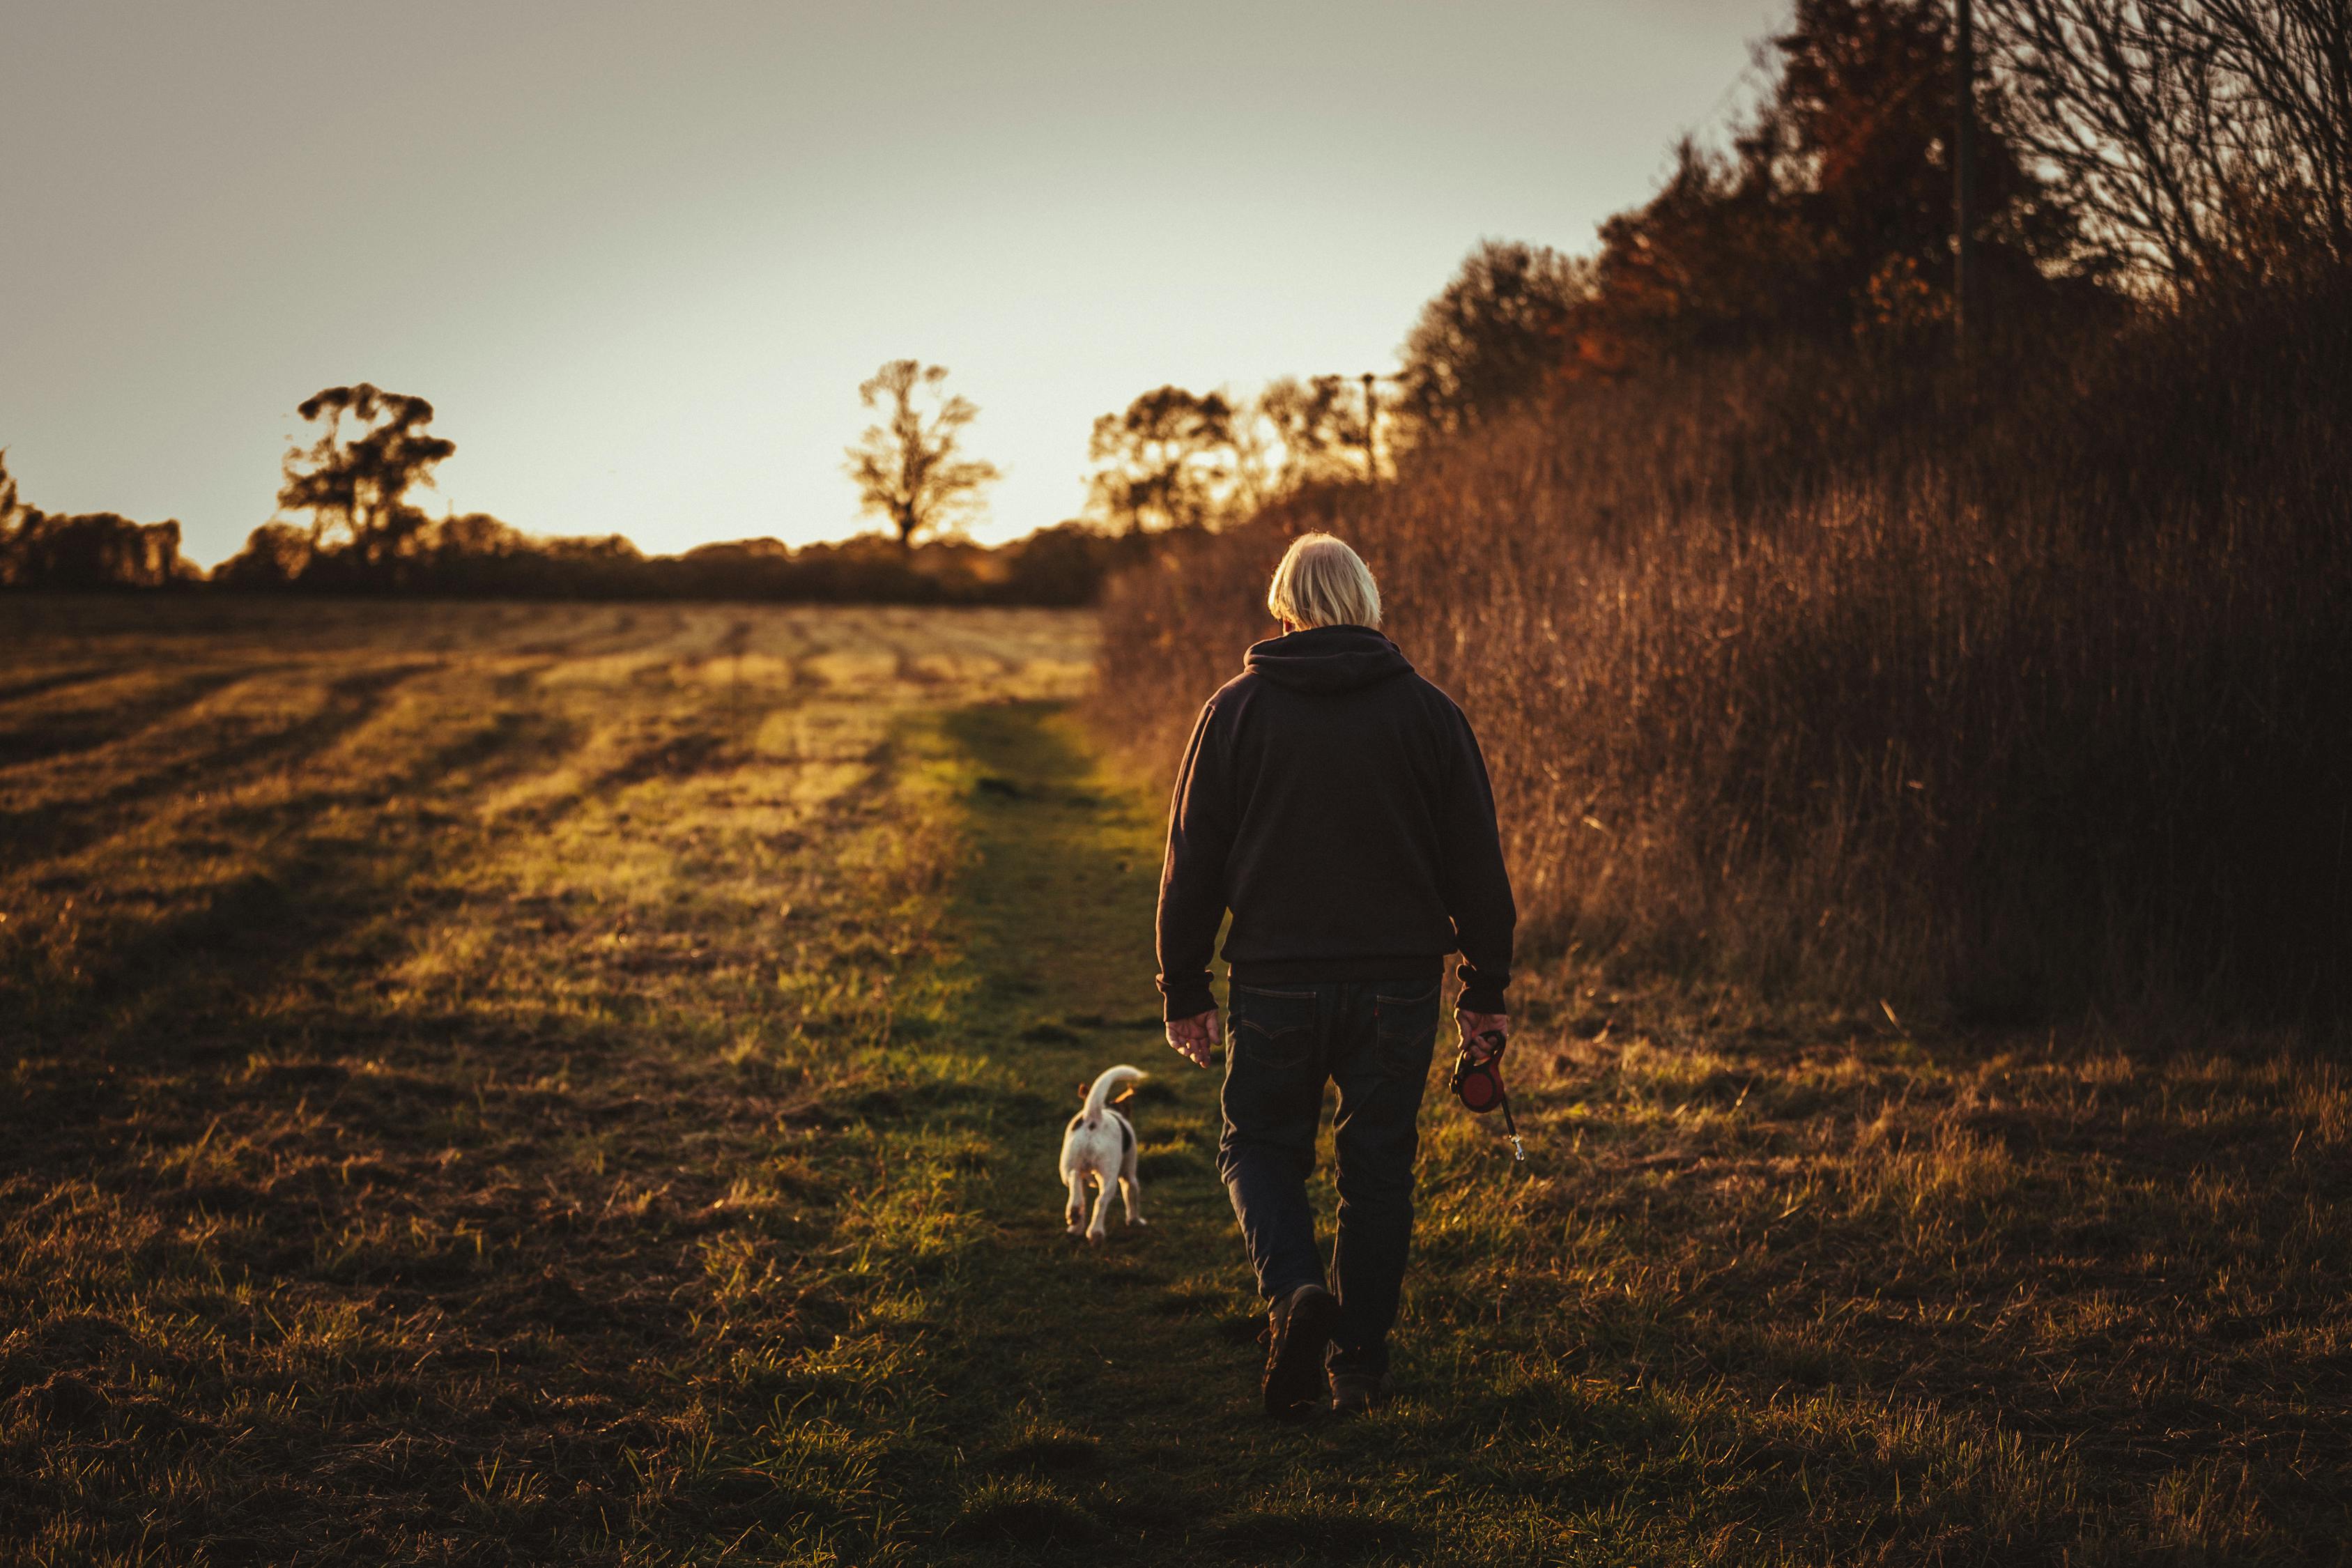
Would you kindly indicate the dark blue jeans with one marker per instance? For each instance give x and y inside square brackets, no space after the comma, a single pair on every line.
[1373,1039]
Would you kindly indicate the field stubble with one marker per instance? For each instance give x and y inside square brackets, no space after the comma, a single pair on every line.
[580,1084]
[435,1036]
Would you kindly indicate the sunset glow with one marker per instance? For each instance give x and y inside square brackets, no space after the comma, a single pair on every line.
[639,261]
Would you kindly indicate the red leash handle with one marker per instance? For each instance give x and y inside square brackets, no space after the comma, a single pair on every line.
[1479,1086]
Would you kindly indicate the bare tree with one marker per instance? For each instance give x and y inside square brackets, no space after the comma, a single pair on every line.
[2295,59]
[908,468]
[2194,136]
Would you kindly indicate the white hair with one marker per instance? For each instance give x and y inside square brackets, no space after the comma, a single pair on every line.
[1322,583]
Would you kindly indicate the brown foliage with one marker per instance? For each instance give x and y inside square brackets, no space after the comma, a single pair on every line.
[1832,210]
[1801,668]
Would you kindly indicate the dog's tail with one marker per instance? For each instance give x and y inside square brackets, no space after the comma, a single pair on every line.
[1099,1096]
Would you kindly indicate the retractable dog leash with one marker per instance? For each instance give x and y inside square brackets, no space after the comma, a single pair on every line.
[1479,1086]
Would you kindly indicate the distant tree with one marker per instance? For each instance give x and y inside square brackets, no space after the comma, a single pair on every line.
[91,552]
[1492,337]
[908,467]
[475,536]
[1166,461]
[355,486]
[276,555]
[1318,427]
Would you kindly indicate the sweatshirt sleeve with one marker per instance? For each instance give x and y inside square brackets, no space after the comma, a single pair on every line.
[1193,878]
[1476,885]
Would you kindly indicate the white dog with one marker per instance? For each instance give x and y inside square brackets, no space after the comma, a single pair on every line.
[1100,1143]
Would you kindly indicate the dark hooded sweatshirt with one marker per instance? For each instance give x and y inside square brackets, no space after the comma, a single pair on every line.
[1338,804]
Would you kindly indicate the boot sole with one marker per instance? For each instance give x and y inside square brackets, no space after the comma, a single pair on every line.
[1296,1376]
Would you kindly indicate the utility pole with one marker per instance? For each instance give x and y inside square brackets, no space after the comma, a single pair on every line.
[1371,424]
[1965,306]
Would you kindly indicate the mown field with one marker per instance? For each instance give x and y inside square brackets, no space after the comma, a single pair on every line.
[490,1084]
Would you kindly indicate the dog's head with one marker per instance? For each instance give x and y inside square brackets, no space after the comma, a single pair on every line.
[1121,1098]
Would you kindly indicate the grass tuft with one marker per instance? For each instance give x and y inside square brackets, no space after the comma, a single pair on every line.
[1020,1510]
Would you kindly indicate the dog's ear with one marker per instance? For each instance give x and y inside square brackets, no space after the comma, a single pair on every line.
[1125,1095]
[1084,1089]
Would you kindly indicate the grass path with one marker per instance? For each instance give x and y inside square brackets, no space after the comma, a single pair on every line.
[1093,1396]
[1105,1391]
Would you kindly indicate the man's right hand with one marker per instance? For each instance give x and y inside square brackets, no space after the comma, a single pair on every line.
[1194,1038]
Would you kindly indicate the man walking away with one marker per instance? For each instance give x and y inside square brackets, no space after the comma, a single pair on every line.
[1337,804]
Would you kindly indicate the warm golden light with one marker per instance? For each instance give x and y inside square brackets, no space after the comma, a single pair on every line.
[640,261]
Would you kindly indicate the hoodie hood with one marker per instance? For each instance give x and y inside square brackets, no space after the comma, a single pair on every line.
[1327,659]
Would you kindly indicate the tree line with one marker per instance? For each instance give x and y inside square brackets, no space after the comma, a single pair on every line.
[84,551]
[349,523]
[348,520]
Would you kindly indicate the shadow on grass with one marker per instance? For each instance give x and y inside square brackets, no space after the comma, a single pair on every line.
[170,987]
[58,828]
[149,999]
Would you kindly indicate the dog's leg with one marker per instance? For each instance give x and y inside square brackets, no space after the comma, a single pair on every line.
[1077,1211]
[1130,1190]
[1100,1226]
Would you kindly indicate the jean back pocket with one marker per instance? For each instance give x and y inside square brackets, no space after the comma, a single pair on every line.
[1272,1028]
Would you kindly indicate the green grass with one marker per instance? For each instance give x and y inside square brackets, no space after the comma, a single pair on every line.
[494,1085]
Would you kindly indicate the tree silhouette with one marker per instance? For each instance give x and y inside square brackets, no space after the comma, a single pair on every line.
[1491,338]
[356,488]
[1831,212]
[85,551]
[1318,426]
[1167,462]
[908,467]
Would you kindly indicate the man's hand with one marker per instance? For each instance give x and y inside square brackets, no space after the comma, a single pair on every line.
[1194,1038]
[1476,1026]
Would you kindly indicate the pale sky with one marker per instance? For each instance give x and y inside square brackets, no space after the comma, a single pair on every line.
[640,256]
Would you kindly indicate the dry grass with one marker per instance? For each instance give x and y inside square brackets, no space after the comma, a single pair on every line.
[483,1087]
[429,1033]
[2027,1297]
[1812,672]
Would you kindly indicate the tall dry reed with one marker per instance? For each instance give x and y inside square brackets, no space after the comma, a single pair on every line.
[1828,671]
